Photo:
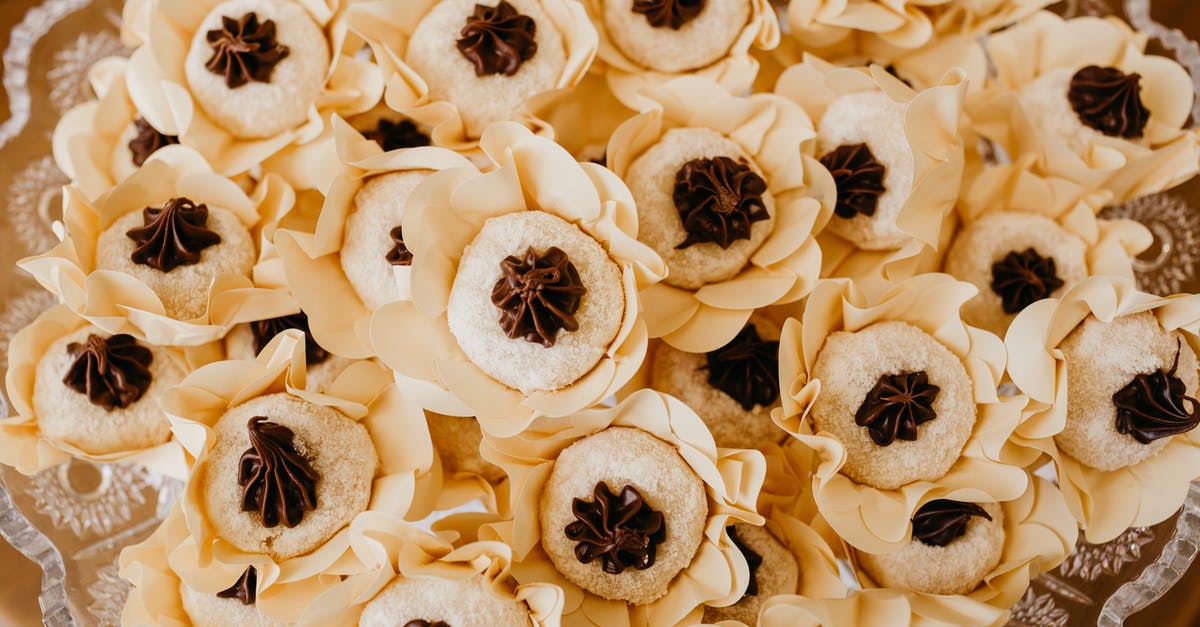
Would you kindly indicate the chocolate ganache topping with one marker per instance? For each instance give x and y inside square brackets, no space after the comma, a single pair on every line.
[668,13]
[244,50]
[753,560]
[1156,405]
[1023,278]
[112,372]
[421,622]
[395,135]
[497,40]
[277,480]
[859,179]
[399,255]
[172,236]
[718,199]
[940,522]
[147,141]
[538,295]
[245,589]
[622,530]
[265,330]
[896,405]
[1109,101]
[747,369]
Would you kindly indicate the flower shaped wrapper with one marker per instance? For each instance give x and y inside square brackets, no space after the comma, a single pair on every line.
[1105,503]
[117,301]
[389,26]
[732,478]
[337,315]
[1161,156]
[158,85]
[869,518]
[365,393]
[24,446]
[783,269]
[1039,535]
[734,71]
[932,130]
[395,550]
[445,214]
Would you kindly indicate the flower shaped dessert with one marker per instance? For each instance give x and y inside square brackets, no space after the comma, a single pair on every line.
[418,579]
[81,392]
[283,473]
[1112,374]
[648,42]
[723,195]
[967,564]
[240,80]
[167,255]
[1105,114]
[456,66]
[897,397]
[896,158]
[628,510]
[524,286]
[355,257]
[1029,237]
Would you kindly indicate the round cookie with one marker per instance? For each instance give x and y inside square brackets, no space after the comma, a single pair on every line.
[457,442]
[773,571]
[450,601]
[851,367]
[519,362]
[746,372]
[338,450]
[873,119]
[209,610]
[651,179]
[184,289]
[1045,101]
[368,243]
[261,108]
[434,54]
[1102,359]
[955,568]
[1059,260]
[652,42]
[67,415]
[610,461]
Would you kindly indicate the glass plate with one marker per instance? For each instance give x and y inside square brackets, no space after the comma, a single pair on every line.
[73,520]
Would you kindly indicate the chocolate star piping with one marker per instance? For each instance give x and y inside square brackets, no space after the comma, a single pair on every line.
[668,13]
[244,50]
[1021,279]
[940,522]
[497,40]
[1156,405]
[395,135]
[399,255]
[277,480]
[172,236]
[147,141]
[245,589]
[112,372]
[859,179]
[718,199]
[896,405]
[623,531]
[265,330]
[753,560]
[747,369]
[538,295]
[1109,101]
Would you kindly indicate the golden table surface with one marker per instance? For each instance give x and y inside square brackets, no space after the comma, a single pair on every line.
[22,579]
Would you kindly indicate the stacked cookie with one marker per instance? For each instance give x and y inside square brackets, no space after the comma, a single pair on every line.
[691,308]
